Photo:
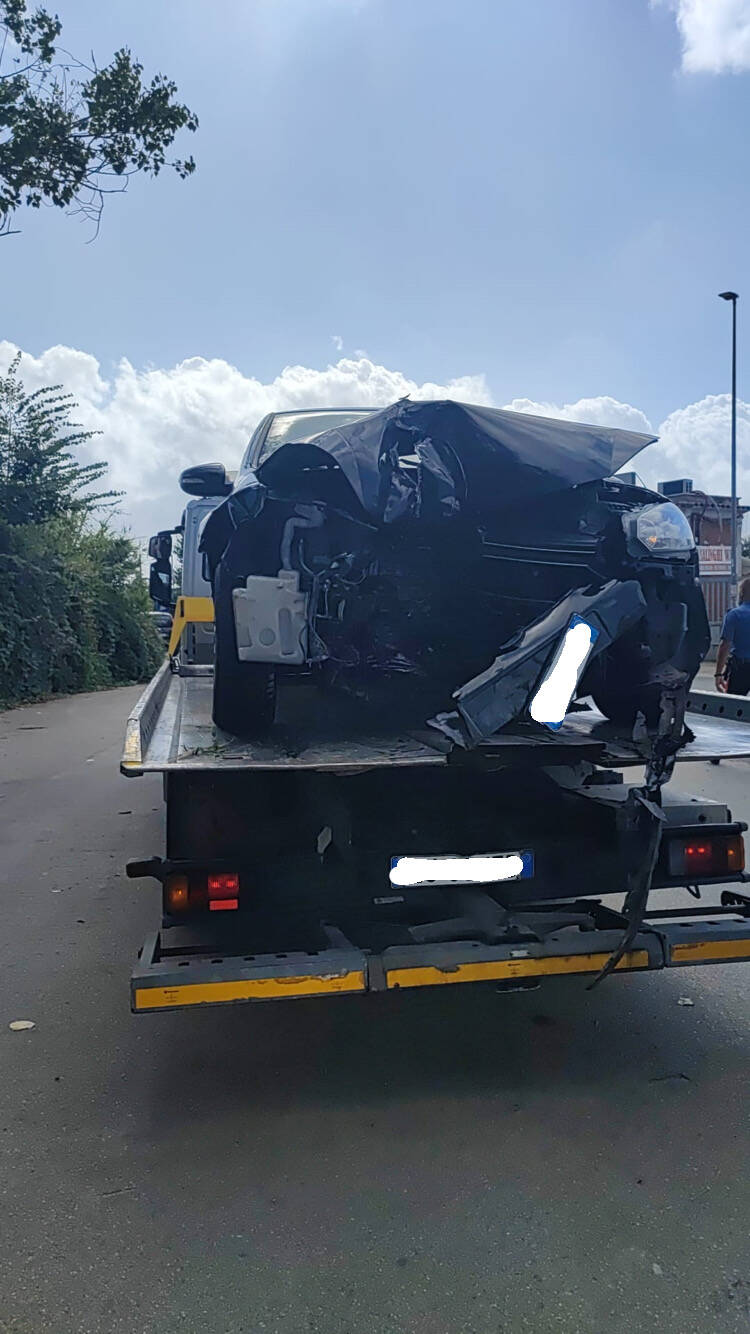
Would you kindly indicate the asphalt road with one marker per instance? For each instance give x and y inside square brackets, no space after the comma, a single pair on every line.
[437,1163]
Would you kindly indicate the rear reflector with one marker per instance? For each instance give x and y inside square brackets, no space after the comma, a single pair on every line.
[706,855]
[223,905]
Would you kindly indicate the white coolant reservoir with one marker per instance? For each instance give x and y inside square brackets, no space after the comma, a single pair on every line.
[270,617]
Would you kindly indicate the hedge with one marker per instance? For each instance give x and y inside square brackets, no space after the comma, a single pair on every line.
[74,611]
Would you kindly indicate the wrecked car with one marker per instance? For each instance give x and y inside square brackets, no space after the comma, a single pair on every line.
[434,562]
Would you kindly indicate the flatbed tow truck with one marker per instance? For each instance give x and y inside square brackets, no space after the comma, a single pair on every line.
[280,875]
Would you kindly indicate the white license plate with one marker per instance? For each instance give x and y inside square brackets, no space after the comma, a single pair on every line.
[481,869]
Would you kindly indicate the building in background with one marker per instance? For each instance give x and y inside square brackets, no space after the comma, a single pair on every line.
[710,518]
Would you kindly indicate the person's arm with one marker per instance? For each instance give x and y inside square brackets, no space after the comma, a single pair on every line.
[722,658]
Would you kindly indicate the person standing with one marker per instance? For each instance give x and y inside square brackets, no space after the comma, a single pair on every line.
[733,656]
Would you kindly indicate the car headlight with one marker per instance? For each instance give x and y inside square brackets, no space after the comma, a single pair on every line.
[662,530]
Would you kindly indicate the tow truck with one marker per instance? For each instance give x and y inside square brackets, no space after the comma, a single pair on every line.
[324,861]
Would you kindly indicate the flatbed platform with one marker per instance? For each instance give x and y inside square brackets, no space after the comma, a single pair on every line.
[171,730]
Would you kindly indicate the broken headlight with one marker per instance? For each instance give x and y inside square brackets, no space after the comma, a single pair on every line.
[661,529]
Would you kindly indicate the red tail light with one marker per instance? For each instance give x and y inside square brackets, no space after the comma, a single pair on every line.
[223,891]
[706,855]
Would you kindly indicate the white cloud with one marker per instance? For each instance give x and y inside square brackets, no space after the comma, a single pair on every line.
[715,35]
[156,422]
[338,342]
[601,411]
[694,441]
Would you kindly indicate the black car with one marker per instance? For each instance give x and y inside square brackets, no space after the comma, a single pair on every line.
[394,555]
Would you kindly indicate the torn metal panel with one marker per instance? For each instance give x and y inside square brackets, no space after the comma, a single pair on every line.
[501,693]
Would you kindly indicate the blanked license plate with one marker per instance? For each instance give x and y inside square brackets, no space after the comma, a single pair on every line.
[480,869]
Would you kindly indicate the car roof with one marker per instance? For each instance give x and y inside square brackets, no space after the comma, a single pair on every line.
[310,412]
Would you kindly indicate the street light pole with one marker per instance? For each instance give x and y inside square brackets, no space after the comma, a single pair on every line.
[733,297]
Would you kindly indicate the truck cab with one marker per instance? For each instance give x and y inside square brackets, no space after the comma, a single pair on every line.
[198,640]
[197,643]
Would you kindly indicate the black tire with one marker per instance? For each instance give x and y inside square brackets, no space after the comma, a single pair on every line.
[244,692]
[622,707]
[618,686]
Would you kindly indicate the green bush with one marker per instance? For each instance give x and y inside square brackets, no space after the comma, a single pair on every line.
[75,611]
[73,604]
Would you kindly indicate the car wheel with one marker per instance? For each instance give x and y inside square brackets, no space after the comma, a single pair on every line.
[623,707]
[244,692]
[620,691]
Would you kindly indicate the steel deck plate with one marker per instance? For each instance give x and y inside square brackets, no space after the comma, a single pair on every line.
[171,729]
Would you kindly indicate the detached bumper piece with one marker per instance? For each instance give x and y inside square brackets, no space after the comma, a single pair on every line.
[166,980]
[501,693]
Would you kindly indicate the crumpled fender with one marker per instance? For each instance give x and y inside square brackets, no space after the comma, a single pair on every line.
[221,523]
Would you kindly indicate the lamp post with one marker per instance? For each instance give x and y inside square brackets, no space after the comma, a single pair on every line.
[733,297]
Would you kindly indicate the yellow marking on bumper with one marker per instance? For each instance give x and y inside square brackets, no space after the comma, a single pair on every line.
[703,951]
[497,969]
[256,988]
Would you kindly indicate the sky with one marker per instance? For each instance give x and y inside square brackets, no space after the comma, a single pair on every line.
[526,203]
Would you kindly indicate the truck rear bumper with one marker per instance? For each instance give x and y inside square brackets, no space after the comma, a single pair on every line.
[164,979]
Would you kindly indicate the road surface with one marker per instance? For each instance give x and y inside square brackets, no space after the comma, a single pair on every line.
[439,1163]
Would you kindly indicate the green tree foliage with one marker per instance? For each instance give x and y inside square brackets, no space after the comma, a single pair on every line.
[70,133]
[75,607]
[40,478]
[75,611]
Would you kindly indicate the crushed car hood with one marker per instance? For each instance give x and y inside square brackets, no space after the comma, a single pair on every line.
[437,459]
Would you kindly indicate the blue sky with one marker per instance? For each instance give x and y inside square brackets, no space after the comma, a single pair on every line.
[547,194]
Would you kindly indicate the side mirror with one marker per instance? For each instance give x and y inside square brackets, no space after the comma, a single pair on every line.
[160,546]
[206,479]
[160,585]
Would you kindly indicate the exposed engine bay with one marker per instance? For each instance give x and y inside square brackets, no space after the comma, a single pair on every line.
[429,560]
